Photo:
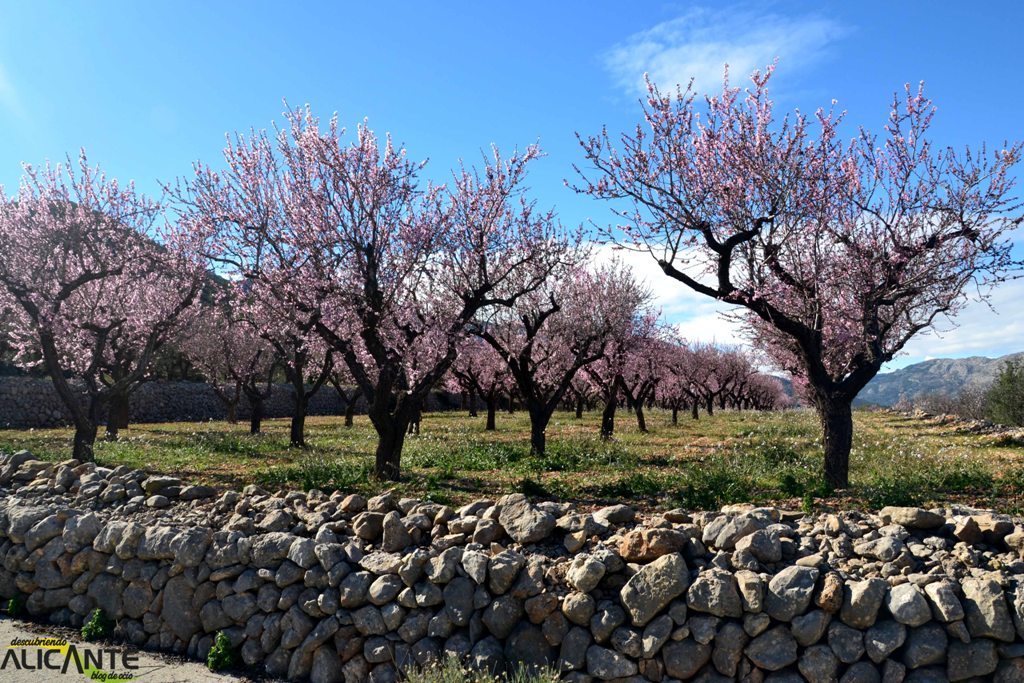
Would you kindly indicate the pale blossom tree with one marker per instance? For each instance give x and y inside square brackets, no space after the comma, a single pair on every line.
[98,282]
[481,372]
[389,269]
[840,253]
[550,334]
[232,357]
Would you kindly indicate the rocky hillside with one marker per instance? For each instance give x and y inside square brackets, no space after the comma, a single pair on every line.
[938,376]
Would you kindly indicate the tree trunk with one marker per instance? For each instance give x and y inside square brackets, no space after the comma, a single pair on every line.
[85,433]
[350,412]
[298,428]
[579,407]
[695,410]
[641,421]
[233,412]
[711,406]
[390,439]
[492,408]
[117,415]
[539,418]
[256,415]
[675,415]
[472,402]
[608,417]
[837,438]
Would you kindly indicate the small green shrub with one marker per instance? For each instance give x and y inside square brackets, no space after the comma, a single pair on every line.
[98,626]
[16,605]
[1005,399]
[221,656]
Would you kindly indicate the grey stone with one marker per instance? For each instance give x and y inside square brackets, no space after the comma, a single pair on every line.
[715,592]
[977,658]
[789,592]
[847,643]
[819,664]
[607,665]
[985,609]
[861,602]
[773,650]
[683,659]
[523,522]
[653,587]
[907,605]
[884,638]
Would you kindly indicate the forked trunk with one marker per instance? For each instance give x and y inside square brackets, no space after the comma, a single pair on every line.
[836,416]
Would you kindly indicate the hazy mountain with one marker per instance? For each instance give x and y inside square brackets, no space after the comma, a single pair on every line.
[938,376]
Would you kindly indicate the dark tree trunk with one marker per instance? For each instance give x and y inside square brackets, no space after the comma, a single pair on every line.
[711,406]
[472,402]
[579,407]
[255,415]
[233,412]
[608,417]
[83,449]
[675,415]
[539,418]
[641,421]
[836,416]
[492,408]
[117,415]
[390,439]
[297,435]
[350,412]
[695,410]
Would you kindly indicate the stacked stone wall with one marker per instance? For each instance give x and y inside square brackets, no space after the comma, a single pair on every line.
[338,587]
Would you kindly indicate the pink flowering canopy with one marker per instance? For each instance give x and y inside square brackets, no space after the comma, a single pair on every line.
[387,268]
[95,282]
[840,252]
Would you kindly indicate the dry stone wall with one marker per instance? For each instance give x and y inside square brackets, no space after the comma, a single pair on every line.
[30,402]
[343,588]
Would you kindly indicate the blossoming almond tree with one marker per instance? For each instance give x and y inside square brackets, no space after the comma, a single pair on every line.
[390,269]
[480,371]
[840,253]
[94,293]
[548,335]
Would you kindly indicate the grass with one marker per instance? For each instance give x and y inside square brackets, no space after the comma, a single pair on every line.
[728,458]
[451,671]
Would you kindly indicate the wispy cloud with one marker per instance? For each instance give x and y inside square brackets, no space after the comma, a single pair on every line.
[9,98]
[698,44]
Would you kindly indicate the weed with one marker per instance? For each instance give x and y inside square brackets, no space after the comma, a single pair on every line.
[98,626]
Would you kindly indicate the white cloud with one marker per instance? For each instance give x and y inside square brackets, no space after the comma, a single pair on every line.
[698,318]
[993,329]
[9,98]
[698,44]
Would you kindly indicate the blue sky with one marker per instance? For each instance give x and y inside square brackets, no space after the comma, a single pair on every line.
[148,87]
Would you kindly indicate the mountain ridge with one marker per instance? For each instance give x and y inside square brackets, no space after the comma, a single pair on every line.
[936,376]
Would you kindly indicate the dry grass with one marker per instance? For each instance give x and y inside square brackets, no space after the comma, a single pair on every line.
[730,457]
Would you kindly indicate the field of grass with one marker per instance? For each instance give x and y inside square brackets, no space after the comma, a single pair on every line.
[728,458]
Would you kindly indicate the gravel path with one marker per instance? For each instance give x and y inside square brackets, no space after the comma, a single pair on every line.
[153,667]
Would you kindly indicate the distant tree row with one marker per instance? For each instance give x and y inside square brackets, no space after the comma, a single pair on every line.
[325,257]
